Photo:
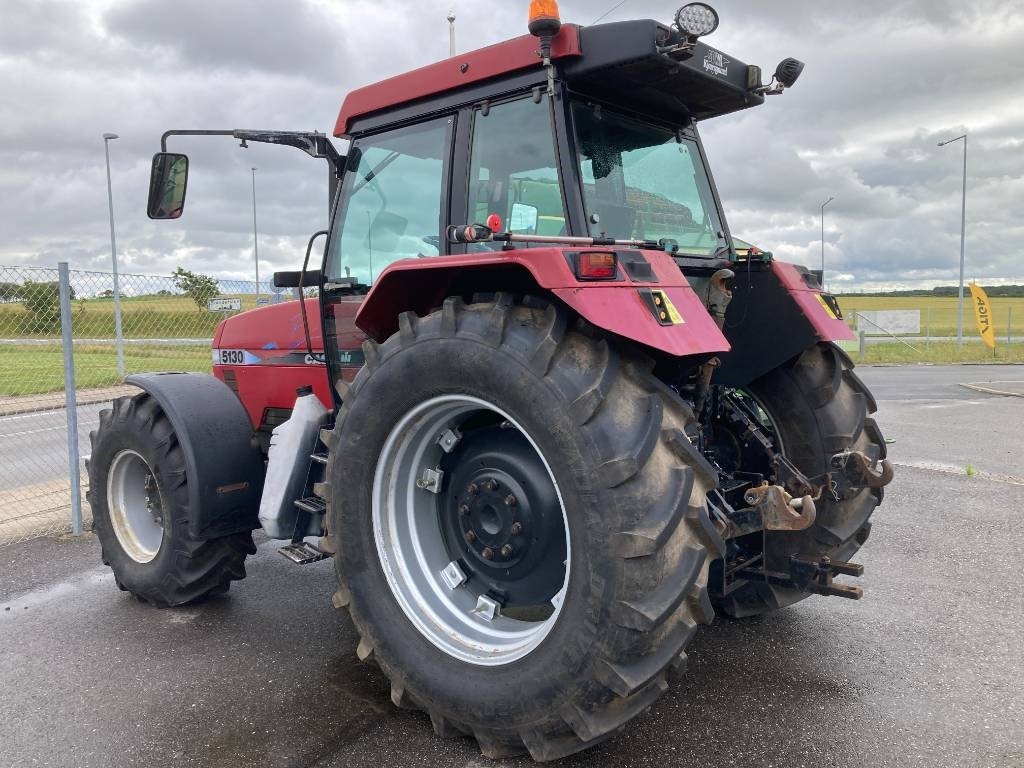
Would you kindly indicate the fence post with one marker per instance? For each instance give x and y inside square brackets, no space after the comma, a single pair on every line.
[1009,325]
[929,341]
[70,397]
[861,334]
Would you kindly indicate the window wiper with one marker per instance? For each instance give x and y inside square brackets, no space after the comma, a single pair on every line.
[374,172]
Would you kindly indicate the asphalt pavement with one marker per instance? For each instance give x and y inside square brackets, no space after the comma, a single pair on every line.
[926,670]
[34,446]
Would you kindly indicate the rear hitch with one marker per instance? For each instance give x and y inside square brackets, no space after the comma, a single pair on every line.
[853,470]
[810,576]
[779,510]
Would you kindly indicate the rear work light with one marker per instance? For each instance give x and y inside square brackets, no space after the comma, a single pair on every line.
[597,265]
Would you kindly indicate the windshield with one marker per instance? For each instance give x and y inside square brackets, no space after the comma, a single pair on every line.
[391,201]
[642,182]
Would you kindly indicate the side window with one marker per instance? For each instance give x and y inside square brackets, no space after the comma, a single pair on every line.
[391,201]
[513,170]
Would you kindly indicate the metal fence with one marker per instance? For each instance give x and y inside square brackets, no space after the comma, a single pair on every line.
[110,329]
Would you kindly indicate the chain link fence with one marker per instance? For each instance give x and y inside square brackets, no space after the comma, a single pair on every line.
[134,324]
[139,323]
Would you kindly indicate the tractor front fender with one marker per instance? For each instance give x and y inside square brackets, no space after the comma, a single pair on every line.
[628,305]
[224,469]
[777,312]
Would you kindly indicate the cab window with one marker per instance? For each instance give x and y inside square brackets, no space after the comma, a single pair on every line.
[392,200]
[513,170]
[645,182]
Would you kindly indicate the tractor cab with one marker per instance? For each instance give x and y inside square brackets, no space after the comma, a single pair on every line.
[576,133]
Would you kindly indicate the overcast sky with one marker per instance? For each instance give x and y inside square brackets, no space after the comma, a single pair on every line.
[885,81]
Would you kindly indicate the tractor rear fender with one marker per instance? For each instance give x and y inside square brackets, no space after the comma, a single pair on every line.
[223,467]
[778,310]
[627,305]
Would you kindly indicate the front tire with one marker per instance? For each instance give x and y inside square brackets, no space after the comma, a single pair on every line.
[631,491]
[138,490]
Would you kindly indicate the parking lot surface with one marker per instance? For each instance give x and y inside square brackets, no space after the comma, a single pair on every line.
[926,670]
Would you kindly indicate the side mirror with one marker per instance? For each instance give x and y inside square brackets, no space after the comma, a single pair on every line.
[788,71]
[168,181]
[524,219]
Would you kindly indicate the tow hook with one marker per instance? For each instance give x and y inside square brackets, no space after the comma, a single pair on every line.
[780,511]
[858,469]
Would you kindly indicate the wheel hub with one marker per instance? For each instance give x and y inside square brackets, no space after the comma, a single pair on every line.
[501,518]
[478,561]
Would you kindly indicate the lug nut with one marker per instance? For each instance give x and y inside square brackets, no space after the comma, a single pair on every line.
[517,528]
[506,551]
[488,553]
[463,509]
[511,501]
[469,536]
[490,484]
[472,489]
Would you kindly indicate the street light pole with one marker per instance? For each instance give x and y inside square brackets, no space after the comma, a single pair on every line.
[255,236]
[963,237]
[451,33]
[823,241]
[118,333]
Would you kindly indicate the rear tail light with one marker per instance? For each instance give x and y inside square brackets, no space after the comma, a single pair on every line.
[596,265]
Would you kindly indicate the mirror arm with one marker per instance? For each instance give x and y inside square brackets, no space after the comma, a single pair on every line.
[314,144]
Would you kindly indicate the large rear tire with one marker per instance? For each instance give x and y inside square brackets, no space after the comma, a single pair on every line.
[138,490]
[632,525]
[819,407]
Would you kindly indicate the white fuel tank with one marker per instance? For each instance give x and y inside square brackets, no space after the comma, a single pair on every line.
[291,444]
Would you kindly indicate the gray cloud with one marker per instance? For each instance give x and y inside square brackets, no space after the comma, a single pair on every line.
[885,82]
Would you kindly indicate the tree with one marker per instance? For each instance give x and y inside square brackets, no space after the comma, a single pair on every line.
[42,302]
[200,288]
[9,292]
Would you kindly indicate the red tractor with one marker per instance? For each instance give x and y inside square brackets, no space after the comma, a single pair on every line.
[557,420]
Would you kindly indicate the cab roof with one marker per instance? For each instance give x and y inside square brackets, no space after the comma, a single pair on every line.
[641,65]
[466,69]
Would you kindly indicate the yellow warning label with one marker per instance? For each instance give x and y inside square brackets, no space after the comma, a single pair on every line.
[673,313]
[825,306]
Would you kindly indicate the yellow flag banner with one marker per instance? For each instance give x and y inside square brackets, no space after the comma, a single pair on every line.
[983,314]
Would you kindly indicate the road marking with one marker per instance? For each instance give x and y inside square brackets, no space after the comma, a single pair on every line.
[61,427]
[993,391]
[953,469]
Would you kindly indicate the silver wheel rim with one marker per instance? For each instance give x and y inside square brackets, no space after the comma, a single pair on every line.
[411,549]
[135,506]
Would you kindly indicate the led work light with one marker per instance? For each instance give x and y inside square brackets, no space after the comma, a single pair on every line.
[697,19]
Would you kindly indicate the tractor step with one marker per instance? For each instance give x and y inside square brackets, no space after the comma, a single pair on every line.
[302,553]
[314,505]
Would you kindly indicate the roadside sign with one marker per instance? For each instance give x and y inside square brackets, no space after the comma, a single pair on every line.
[224,305]
[899,322]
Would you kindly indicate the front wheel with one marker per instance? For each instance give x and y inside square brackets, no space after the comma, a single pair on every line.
[523,538]
[138,490]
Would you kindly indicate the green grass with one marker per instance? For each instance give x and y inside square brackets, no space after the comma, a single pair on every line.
[940,311]
[938,352]
[38,370]
[142,317]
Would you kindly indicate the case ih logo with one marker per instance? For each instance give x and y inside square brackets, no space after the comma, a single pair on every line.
[717,63]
